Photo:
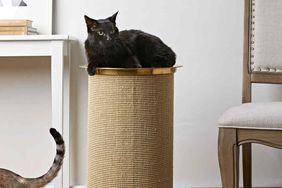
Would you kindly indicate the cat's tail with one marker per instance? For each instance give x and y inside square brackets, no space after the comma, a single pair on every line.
[56,166]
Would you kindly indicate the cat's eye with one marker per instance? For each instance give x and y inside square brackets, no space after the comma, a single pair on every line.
[113,31]
[100,32]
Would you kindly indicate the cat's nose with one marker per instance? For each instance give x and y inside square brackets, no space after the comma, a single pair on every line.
[108,37]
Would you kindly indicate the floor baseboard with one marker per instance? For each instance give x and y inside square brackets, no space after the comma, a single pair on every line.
[84,186]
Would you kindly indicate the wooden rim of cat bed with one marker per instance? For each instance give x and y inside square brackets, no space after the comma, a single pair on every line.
[134,71]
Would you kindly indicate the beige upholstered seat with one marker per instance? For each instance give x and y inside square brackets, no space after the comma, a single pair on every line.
[249,123]
[253,116]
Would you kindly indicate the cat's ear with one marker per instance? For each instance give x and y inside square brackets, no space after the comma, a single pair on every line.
[90,22]
[113,17]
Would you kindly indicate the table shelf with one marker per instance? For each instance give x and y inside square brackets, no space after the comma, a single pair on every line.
[58,48]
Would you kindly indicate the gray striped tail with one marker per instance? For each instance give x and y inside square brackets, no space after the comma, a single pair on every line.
[56,166]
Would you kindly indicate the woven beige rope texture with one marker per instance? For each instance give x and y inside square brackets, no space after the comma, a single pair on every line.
[130,131]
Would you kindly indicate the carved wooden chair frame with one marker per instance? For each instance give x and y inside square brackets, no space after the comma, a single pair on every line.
[230,139]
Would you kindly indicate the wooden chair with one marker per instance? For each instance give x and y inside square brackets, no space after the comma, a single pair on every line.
[249,123]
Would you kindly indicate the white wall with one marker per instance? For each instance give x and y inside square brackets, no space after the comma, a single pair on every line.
[207,37]
[25,109]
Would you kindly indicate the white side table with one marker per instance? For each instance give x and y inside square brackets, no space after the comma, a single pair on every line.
[58,48]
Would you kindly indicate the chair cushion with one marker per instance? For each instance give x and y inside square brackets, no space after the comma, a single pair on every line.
[253,116]
[266,36]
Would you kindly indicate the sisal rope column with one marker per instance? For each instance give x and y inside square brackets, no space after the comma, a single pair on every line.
[130,128]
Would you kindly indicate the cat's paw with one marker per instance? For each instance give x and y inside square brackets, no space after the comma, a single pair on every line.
[91,70]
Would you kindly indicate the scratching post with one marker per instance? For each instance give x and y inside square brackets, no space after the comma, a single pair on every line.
[130,128]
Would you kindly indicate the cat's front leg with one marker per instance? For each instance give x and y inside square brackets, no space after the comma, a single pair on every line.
[91,69]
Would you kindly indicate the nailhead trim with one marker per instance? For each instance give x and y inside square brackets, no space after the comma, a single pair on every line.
[265,69]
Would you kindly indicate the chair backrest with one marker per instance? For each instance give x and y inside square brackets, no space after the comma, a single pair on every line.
[262,44]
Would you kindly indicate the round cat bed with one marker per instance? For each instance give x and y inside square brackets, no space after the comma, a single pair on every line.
[130,128]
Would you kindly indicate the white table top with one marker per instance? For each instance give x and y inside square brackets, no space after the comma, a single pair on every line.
[34,37]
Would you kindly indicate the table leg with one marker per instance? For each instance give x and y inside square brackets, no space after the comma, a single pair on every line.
[59,105]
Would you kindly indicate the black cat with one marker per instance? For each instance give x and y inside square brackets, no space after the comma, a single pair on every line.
[107,47]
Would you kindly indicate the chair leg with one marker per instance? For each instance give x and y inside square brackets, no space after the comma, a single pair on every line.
[247,165]
[228,155]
